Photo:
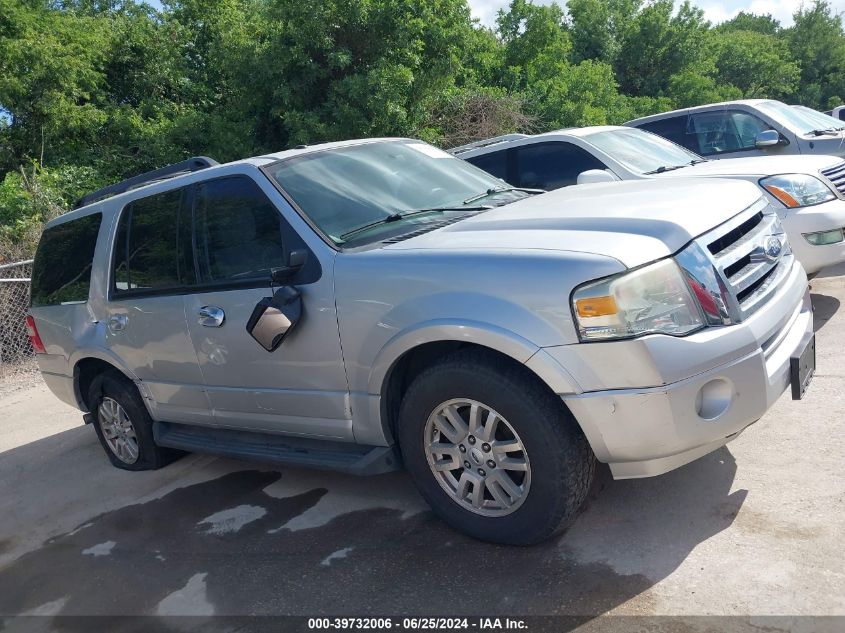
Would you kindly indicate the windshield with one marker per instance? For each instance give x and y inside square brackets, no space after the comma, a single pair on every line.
[363,189]
[641,151]
[823,121]
[798,120]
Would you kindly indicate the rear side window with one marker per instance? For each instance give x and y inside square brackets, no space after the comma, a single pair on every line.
[675,129]
[61,272]
[495,163]
[238,231]
[552,165]
[153,244]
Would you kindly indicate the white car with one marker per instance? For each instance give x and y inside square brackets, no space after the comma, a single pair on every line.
[807,191]
[751,127]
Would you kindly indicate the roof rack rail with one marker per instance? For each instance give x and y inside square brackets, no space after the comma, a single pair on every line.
[489,141]
[171,171]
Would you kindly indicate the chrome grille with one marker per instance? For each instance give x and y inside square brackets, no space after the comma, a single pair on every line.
[836,176]
[735,269]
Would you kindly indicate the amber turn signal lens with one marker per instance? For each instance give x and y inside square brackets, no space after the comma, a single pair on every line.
[784,197]
[596,306]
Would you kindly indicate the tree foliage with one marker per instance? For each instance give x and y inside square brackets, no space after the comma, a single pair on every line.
[96,90]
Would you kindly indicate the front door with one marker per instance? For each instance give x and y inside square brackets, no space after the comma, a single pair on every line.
[300,388]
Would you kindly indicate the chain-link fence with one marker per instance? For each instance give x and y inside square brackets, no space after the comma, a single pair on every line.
[17,360]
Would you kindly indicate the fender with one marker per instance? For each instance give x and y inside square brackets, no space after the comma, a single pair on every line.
[435,330]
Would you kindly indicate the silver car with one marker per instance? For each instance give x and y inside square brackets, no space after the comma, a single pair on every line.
[366,304]
[749,127]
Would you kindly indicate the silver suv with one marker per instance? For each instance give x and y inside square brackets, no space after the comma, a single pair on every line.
[363,304]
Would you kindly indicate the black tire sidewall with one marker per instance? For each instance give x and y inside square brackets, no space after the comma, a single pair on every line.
[126,395]
[558,453]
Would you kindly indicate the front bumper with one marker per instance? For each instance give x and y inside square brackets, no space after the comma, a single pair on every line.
[821,217]
[710,385]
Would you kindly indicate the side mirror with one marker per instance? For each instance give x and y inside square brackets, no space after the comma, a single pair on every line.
[296,260]
[595,175]
[274,317]
[767,139]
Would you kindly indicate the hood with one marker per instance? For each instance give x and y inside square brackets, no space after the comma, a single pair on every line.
[825,144]
[758,166]
[635,222]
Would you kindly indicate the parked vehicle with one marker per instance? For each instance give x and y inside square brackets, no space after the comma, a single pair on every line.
[837,113]
[347,304]
[807,191]
[753,127]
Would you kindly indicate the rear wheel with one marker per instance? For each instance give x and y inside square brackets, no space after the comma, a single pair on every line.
[123,425]
[495,453]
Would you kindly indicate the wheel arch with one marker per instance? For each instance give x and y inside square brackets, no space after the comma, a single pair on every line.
[418,350]
[86,368]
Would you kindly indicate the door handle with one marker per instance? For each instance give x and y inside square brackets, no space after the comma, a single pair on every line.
[117,322]
[211,316]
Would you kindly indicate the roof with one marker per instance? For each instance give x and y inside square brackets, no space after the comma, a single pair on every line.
[176,173]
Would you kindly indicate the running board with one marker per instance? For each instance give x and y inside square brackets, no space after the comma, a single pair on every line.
[346,457]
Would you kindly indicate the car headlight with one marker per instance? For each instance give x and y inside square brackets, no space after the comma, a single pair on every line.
[654,299]
[797,190]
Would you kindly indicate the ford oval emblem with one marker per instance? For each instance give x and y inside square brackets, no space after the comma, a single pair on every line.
[772,248]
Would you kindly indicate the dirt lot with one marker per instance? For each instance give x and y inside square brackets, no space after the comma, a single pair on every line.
[755,528]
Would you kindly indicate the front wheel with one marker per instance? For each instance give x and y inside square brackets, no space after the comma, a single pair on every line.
[495,453]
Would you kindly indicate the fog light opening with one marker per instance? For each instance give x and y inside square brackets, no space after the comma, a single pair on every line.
[714,398]
[823,238]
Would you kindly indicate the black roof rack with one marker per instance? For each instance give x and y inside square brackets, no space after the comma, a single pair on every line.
[171,171]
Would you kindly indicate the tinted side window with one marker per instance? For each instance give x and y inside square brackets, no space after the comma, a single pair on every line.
[674,129]
[725,131]
[238,230]
[153,244]
[61,272]
[495,163]
[552,165]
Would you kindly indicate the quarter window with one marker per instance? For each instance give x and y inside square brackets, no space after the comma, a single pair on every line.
[153,244]
[552,165]
[61,272]
[238,230]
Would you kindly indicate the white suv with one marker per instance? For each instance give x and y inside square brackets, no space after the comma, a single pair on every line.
[807,191]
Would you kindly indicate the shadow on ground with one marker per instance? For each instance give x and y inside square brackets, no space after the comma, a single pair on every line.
[259,541]
[824,307]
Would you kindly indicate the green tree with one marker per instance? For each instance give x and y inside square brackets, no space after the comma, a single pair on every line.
[817,43]
[598,27]
[658,44]
[758,65]
[744,21]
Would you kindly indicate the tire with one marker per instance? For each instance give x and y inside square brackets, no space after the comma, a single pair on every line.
[108,390]
[559,464]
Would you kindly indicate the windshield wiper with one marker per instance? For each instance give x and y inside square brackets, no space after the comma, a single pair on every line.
[401,215]
[665,168]
[830,130]
[493,191]
[698,161]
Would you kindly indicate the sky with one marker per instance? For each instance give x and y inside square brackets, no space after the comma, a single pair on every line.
[714,10]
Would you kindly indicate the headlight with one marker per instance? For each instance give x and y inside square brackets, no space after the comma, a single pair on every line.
[797,190]
[650,300]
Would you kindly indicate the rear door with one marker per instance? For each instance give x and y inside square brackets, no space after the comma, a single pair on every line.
[152,267]
[299,388]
